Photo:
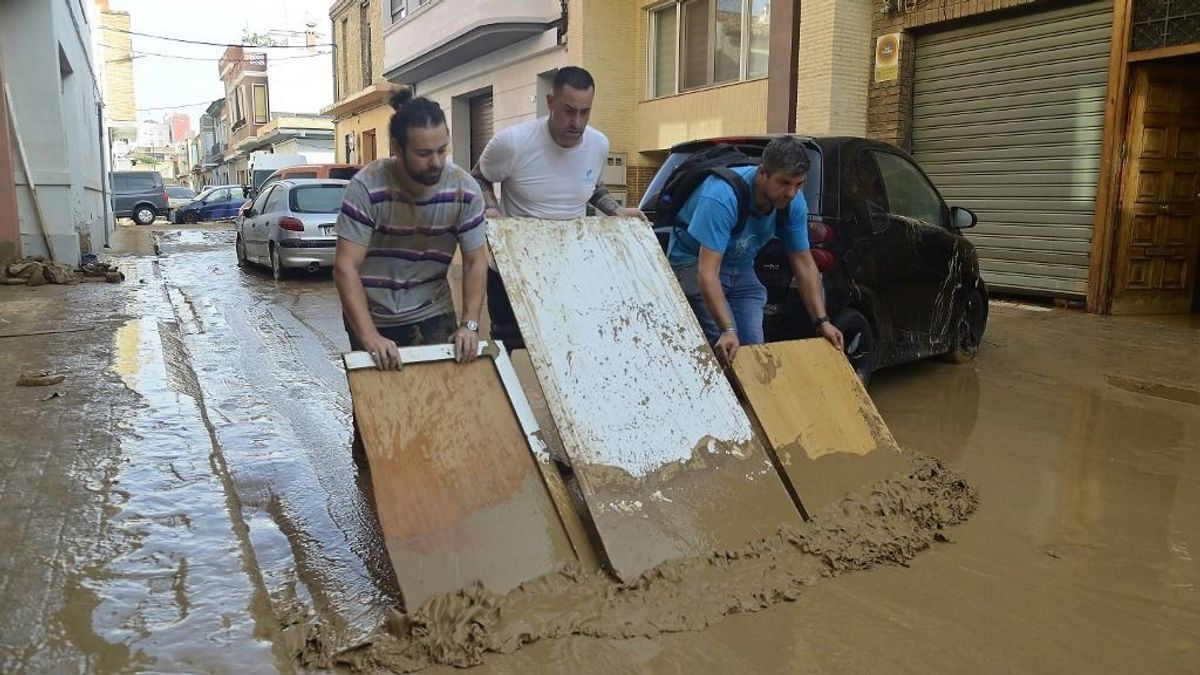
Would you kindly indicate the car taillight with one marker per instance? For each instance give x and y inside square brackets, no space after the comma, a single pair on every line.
[820,238]
[289,223]
[166,197]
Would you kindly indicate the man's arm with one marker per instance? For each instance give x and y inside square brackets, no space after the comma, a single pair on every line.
[474,286]
[347,260]
[708,274]
[608,205]
[808,281]
[489,193]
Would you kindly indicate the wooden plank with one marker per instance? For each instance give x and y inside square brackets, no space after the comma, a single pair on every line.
[666,459]
[459,494]
[823,427]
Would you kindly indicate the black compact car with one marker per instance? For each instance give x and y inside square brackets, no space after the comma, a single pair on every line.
[901,281]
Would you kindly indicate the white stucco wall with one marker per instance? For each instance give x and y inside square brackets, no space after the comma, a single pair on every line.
[59,128]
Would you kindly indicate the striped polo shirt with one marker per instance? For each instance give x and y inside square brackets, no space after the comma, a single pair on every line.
[410,240]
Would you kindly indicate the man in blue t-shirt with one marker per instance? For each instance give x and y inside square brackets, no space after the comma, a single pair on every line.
[717,271]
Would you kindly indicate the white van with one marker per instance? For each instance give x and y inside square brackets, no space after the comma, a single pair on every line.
[262,165]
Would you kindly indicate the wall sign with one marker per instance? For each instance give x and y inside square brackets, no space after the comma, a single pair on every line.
[887,57]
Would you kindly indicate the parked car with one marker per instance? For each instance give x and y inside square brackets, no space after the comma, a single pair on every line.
[289,225]
[219,202]
[336,171]
[901,281]
[139,195]
[177,196]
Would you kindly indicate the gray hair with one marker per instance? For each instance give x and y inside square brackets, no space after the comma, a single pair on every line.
[786,154]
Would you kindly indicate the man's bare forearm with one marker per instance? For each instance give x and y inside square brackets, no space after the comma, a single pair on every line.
[808,283]
[354,300]
[474,284]
[604,202]
[488,190]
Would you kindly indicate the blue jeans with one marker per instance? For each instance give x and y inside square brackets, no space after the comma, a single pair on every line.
[745,298]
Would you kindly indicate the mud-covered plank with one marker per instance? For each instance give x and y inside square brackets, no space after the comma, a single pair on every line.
[459,494]
[664,455]
[818,418]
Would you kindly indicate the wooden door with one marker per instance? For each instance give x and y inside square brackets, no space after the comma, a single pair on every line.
[369,151]
[1160,205]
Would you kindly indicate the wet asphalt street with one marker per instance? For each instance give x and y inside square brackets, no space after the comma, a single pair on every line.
[189,504]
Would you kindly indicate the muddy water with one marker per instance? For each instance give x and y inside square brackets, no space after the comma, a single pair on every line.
[236,538]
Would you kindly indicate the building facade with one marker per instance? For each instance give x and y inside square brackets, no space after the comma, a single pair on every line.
[53,76]
[360,110]
[1071,128]
[180,126]
[247,106]
[120,100]
[666,72]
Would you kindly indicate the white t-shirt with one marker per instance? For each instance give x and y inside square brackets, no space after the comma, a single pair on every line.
[538,178]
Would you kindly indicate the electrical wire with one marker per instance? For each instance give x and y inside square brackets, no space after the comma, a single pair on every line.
[213,44]
[138,52]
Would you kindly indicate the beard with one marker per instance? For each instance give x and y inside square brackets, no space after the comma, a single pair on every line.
[429,178]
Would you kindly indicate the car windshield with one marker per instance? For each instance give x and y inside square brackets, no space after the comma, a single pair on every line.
[316,198]
[343,173]
[204,195]
[180,192]
[812,187]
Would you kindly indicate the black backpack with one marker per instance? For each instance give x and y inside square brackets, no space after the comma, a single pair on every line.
[717,160]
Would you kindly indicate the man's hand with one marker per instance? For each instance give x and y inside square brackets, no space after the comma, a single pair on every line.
[466,345]
[831,333]
[727,346]
[625,212]
[384,351]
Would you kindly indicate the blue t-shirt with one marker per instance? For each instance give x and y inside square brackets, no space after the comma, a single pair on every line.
[710,214]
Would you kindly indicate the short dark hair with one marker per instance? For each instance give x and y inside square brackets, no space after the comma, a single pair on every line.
[786,154]
[412,112]
[573,77]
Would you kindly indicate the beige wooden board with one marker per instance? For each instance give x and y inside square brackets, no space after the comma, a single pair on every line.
[666,460]
[459,494]
[825,430]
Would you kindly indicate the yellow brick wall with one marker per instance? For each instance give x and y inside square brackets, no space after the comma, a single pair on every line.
[610,50]
[351,51]
[729,110]
[835,61]
[376,118]
[120,103]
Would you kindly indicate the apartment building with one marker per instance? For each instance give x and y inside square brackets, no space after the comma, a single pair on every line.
[247,106]
[360,110]
[120,102]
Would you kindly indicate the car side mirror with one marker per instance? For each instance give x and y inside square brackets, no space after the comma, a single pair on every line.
[962,219]
[879,218]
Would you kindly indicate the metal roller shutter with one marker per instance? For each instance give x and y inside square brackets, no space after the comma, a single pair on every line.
[481,125]
[1008,121]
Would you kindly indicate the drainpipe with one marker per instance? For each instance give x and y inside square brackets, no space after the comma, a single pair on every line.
[103,169]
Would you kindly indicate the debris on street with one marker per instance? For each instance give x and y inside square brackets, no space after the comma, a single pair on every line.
[39,378]
[37,270]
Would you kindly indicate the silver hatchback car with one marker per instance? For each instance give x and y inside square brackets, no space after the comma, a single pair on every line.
[290,225]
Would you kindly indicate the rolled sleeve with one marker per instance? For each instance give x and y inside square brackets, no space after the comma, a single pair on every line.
[795,235]
[356,220]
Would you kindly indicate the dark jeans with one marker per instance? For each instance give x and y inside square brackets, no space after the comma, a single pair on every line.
[500,311]
[434,330]
[745,297]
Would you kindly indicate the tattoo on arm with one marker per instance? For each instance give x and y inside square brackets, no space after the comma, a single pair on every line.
[489,192]
[604,202]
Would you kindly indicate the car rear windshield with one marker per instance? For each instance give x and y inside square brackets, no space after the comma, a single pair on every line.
[316,198]
[136,182]
[344,173]
[812,187]
[302,174]
[180,192]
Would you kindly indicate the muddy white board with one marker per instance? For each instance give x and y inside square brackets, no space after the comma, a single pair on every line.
[458,490]
[665,457]
[829,438]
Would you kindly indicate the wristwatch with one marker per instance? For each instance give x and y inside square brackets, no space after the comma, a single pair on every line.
[820,320]
[470,325]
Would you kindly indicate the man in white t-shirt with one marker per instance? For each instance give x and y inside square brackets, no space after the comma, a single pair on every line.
[549,168]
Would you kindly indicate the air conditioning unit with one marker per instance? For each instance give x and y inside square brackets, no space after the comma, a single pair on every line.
[614,170]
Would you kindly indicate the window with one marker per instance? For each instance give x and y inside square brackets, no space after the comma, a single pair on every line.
[345,61]
[261,113]
[364,26]
[277,201]
[909,193]
[399,10]
[701,43]
[261,202]
[317,198]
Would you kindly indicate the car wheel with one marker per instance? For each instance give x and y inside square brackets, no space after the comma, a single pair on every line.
[968,330]
[239,248]
[278,272]
[144,215]
[191,217]
[859,339]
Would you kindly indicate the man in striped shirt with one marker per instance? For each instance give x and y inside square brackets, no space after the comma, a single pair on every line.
[402,220]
